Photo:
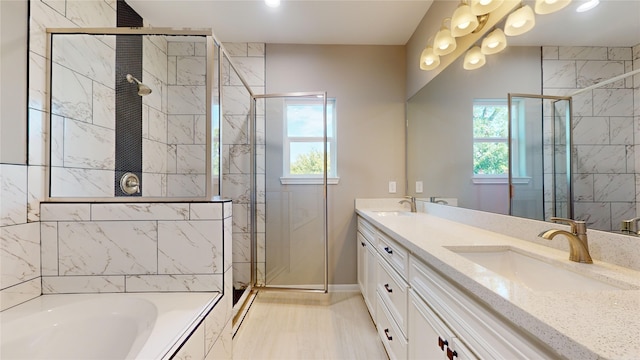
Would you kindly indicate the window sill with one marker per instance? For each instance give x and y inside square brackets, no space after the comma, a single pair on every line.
[308,181]
[499,180]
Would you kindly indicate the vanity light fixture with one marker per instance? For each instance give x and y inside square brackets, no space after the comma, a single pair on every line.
[481,7]
[272,3]
[444,42]
[463,21]
[474,59]
[543,7]
[587,5]
[493,43]
[429,60]
[520,21]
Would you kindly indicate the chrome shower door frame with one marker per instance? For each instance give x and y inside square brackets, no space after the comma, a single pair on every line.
[253,212]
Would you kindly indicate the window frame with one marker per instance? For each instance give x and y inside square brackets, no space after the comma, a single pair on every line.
[518,154]
[310,179]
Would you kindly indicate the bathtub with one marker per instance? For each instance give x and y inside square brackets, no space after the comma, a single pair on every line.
[102,326]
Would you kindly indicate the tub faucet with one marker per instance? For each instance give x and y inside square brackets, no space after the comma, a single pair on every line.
[578,244]
[411,200]
[630,226]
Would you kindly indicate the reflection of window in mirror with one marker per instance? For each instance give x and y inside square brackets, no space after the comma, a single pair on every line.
[303,141]
[490,138]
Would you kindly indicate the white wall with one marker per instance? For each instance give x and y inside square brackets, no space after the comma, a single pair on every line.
[368,83]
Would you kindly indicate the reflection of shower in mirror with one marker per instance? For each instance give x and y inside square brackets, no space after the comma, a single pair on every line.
[142,88]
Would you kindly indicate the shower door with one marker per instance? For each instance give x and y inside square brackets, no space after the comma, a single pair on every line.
[540,156]
[290,160]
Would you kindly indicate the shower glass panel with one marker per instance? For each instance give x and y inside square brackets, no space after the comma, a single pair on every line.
[540,184]
[291,162]
[134,115]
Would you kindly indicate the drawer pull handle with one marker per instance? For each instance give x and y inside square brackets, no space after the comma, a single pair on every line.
[451,354]
[386,333]
[388,250]
[362,243]
[389,289]
[442,343]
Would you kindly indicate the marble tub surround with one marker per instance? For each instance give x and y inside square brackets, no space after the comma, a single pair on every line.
[558,319]
[140,247]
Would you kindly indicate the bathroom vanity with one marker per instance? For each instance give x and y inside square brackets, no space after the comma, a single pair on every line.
[436,288]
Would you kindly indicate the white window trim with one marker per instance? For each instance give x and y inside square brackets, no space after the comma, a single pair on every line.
[307,180]
[499,180]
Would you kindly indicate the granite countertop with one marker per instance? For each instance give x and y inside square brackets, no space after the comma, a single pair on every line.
[589,324]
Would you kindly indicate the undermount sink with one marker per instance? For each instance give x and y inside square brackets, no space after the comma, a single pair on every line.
[394,213]
[529,271]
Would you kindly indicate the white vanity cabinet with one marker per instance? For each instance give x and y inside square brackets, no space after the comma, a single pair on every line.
[420,314]
[367,265]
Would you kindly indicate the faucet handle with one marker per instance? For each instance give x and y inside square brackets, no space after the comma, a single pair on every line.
[577,226]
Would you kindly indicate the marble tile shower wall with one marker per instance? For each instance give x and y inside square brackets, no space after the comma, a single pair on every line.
[137,247]
[249,58]
[174,118]
[22,185]
[605,130]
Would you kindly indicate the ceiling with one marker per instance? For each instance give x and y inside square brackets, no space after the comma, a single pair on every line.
[376,22]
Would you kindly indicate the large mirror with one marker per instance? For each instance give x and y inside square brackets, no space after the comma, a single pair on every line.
[458,123]
[133,116]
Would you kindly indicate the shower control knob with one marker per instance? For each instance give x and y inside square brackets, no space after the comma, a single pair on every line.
[130,183]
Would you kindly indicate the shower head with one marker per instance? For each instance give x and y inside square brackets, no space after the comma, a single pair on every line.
[142,88]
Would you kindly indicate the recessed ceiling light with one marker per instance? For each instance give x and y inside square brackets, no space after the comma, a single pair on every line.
[272,3]
[587,5]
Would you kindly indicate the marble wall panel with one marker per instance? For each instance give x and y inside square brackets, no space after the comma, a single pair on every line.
[104,106]
[186,248]
[86,55]
[82,284]
[157,125]
[71,94]
[174,283]
[19,254]
[191,159]
[181,129]
[91,13]
[155,185]
[176,48]
[593,72]
[20,293]
[140,211]
[36,178]
[13,191]
[583,53]
[191,70]
[186,99]
[559,74]
[88,146]
[154,59]
[69,182]
[107,248]
[613,102]
[154,156]
[186,185]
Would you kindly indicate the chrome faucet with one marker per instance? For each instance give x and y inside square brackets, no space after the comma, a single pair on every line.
[578,244]
[630,226]
[411,200]
[435,200]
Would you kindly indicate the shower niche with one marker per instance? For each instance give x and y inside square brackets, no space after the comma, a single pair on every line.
[134,115]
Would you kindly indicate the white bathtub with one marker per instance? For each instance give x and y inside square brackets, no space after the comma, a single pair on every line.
[102,326]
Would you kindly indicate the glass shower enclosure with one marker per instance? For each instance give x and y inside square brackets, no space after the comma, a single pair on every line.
[540,139]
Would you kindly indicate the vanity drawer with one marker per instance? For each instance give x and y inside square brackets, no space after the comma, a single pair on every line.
[394,292]
[393,340]
[395,254]
[367,230]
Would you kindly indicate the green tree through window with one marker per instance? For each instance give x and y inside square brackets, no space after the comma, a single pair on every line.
[490,137]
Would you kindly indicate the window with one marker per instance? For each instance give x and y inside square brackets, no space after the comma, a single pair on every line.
[303,142]
[490,138]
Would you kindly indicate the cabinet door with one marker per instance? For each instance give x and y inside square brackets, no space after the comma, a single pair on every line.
[429,338]
[371,279]
[362,263]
